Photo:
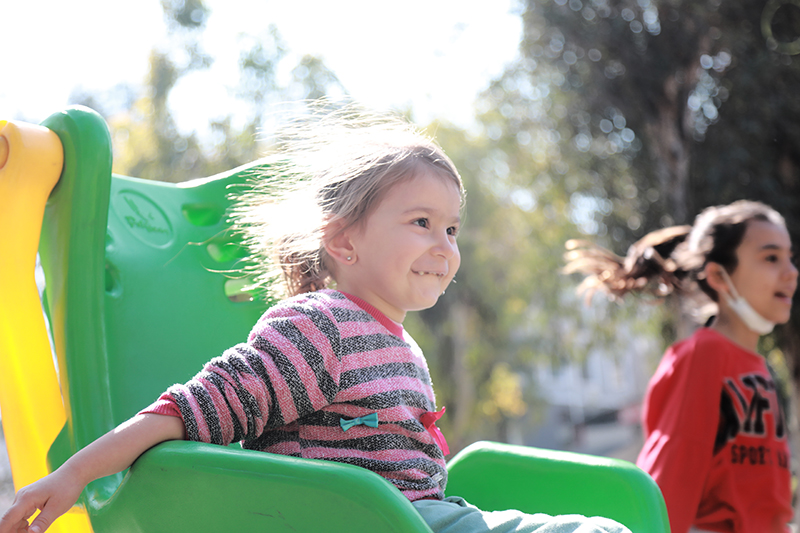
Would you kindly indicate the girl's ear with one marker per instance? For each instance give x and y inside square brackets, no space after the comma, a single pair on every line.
[715,278]
[338,244]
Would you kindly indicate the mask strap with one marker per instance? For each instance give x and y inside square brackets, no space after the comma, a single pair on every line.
[729,282]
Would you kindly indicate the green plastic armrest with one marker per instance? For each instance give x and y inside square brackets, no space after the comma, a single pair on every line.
[495,476]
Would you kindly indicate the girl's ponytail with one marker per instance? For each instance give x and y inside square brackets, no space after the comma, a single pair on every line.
[671,259]
[647,268]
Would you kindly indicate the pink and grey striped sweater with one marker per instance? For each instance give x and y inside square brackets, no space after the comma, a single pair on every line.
[310,362]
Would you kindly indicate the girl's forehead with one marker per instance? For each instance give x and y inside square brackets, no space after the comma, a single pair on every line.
[414,190]
[437,175]
[425,170]
[425,176]
[761,234]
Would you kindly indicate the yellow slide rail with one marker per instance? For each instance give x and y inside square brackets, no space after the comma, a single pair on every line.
[31,160]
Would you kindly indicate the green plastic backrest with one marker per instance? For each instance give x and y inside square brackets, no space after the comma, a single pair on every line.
[139,279]
[168,301]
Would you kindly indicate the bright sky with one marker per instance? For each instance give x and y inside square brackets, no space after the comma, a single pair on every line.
[431,55]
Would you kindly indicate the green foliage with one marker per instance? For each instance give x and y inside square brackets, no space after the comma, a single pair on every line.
[186,14]
[704,90]
[147,141]
[707,100]
[258,64]
[315,79]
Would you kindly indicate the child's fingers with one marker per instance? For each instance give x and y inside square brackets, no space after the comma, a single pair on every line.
[22,526]
[19,527]
[41,522]
[26,503]
[15,519]
[51,510]
[12,526]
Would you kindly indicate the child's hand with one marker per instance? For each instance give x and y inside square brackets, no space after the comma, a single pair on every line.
[113,452]
[54,495]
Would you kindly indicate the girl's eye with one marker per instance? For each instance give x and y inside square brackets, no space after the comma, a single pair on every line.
[421,222]
[772,258]
[452,230]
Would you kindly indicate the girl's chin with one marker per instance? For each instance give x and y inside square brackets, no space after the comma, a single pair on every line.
[426,302]
[779,318]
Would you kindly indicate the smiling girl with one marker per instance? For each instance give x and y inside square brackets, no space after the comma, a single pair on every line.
[715,434]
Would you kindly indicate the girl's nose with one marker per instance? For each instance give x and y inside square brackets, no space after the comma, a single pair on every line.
[792,269]
[446,246]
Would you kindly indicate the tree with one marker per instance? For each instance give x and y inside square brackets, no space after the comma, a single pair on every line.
[147,141]
[670,106]
[753,148]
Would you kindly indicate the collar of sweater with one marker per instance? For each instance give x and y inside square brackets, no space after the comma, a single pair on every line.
[393,327]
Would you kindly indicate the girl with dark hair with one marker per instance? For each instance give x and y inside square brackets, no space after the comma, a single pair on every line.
[715,433]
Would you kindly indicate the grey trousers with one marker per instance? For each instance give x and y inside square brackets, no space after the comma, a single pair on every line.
[454,515]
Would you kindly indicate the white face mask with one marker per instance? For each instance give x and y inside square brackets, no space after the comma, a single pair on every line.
[741,307]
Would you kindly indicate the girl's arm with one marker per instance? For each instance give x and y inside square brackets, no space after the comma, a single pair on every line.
[683,413]
[115,451]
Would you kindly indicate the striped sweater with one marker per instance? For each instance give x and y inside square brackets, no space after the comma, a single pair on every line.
[310,363]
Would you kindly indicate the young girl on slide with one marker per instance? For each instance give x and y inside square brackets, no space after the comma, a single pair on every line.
[326,373]
[715,434]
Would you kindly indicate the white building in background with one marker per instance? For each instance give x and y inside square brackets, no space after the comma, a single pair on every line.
[594,398]
[600,383]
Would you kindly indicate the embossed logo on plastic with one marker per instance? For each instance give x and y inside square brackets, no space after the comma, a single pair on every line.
[143,218]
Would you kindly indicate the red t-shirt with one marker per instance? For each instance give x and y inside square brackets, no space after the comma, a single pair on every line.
[716,438]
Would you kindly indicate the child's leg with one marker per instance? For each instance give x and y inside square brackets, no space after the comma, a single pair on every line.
[454,515]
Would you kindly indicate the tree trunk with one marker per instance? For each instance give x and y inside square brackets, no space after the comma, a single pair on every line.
[464,388]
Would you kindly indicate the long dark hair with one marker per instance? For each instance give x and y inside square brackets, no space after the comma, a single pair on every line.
[672,259]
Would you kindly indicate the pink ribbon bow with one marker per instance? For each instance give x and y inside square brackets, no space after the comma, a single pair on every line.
[429,421]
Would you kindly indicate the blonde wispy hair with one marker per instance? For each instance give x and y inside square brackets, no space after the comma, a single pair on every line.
[329,165]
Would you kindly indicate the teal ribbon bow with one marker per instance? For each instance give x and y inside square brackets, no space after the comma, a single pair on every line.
[370,420]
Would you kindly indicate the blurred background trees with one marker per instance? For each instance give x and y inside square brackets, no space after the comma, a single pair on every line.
[618,117]
[671,106]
